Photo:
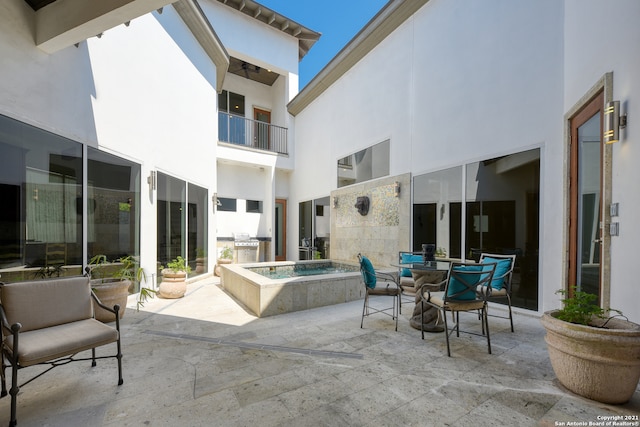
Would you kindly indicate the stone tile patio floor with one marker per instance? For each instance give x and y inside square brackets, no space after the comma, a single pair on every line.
[204,361]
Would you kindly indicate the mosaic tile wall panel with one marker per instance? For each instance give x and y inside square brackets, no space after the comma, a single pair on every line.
[381,233]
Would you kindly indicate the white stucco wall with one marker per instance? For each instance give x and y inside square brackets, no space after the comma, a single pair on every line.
[603,37]
[458,82]
[142,92]
[26,89]
[252,40]
[154,103]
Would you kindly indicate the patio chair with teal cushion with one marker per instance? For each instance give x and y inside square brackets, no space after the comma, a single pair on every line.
[381,284]
[462,292]
[500,288]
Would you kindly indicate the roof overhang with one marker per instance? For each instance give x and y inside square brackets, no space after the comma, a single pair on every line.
[61,24]
[195,19]
[390,17]
[306,37]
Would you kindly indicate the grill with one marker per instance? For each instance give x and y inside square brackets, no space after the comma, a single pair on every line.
[246,248]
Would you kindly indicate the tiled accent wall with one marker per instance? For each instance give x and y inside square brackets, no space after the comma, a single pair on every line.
[380,234]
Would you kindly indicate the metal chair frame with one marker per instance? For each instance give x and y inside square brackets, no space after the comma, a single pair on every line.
[471,281]
[10,358]
[508,276]
[394,292]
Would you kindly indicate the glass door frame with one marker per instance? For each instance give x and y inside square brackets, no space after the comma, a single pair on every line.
[603,88]
[592,109]
[280,235]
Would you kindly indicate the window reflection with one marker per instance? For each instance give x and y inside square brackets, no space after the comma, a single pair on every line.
[113,189]
[41,189]
[500,215]
[365,165]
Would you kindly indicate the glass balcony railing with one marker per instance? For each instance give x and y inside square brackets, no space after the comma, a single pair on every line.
[251,133]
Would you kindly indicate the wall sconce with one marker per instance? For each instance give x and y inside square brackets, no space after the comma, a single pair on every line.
[335,201]
[613,122]
[396,189]
[215,201]
[152,180]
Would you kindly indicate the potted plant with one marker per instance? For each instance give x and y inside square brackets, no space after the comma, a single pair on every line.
[226,257]
[592,353]
[111,282]
[174,278]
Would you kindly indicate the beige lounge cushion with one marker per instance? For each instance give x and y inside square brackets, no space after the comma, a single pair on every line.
[494,292]
[437,298]
[43,303]
[42,345]
[383,289]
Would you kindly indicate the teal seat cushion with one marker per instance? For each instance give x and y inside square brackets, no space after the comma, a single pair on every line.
[368,273]
[456,286]
[406,258]
[502,266]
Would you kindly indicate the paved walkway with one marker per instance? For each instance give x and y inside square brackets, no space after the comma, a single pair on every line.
[204,361]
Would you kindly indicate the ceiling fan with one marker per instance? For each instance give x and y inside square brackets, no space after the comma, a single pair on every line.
[246,67]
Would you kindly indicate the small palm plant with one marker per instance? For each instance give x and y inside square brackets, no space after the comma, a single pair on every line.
[581,308]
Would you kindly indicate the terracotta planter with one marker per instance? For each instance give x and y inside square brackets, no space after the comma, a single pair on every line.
[597,363]
[221,261]
[173,284]
[110,292]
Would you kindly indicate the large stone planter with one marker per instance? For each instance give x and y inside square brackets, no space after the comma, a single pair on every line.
[216,270]
[173,284]
[110,292]
[601,364]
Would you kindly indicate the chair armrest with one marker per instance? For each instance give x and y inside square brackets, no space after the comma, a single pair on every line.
[388,277]
[11,329]
[425,289]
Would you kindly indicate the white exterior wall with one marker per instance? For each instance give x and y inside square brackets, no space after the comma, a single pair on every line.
[594,47]
[143,93]
[26,92]
[456,83]
[153,106]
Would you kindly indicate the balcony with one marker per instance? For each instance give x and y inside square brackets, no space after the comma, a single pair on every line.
[249,133]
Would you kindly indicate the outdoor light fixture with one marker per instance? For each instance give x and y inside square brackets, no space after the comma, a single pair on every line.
[613,121]
[335,201]
[215,201]
[396,189]
[152,180]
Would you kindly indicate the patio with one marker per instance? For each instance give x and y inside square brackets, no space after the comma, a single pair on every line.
[203,360]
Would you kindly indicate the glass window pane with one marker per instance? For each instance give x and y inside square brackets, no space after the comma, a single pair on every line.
[226,205]
[197,223]
[254,206]
[502,212]
[437,196]
[113,206]
[41,220]
[365,165]
[171,199]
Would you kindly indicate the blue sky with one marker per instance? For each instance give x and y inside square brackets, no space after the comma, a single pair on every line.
[337,20]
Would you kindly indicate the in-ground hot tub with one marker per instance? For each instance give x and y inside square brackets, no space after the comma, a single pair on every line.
[274,288]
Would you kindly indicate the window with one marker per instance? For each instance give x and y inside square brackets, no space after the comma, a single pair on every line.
[365,165]
[197,224]
[254,206]
[496,210]
[231,122]
[232,103]
[226,205]
[170,218]
[113,189]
